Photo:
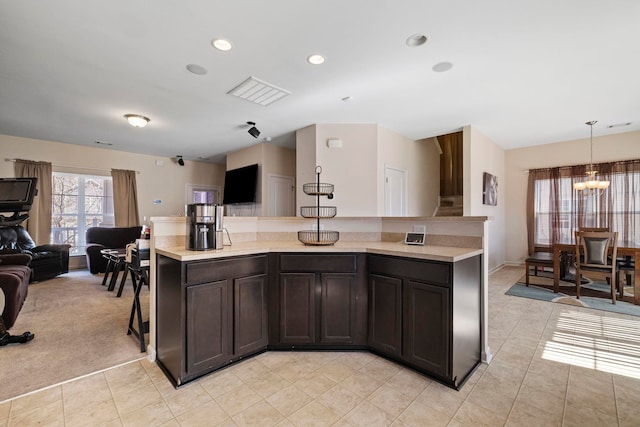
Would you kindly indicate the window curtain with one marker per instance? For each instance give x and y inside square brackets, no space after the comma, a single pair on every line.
[125,198]
[39,223]
[555,210]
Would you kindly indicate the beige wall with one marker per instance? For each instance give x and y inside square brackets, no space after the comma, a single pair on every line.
[421,160]
[352,169]
[166,183]
[357,169]
[622,146]
[483,155]
[271,159]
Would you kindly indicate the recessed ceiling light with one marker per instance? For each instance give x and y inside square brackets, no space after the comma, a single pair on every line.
[347,98]
[137,120]
[416,40]
[221,44]
[315,59]
[441,67]
[197,69]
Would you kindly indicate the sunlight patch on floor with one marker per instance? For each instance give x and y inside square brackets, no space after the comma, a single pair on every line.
[606,344]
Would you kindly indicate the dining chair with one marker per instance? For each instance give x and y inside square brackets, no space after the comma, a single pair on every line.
[592,254]
[593,229]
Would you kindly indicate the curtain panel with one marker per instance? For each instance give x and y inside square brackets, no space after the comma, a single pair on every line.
[125,198]
[39,223]
[555,210]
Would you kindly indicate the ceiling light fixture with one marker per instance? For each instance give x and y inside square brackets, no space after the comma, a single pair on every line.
[416,40]
[253,131]
[592,184]
[137,120]
[221,44]
[180,160]
[315,59]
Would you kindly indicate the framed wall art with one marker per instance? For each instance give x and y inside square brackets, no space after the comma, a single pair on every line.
[490,190]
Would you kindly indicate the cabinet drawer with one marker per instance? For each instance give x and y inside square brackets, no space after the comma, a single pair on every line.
[211,271]
[318,263]
[425,271]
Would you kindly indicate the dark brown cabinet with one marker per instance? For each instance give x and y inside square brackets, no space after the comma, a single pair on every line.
[427,325]
[426,314]
[210,313]
[251,332]
[385,315]
[321,301]
[208,319]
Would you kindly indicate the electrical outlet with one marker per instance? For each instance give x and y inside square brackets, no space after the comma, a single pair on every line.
[419,228]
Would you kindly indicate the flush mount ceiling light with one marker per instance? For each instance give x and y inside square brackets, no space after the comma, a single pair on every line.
[258,91]
[221,44]
[315,59]
[253,131]
[416,40]
[137,120]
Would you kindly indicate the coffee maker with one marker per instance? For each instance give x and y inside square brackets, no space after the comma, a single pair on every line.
[204,226]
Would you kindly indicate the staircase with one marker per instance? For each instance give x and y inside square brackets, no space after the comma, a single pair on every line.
[449,206]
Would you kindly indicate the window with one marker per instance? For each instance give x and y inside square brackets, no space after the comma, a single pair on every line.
[79,202]
[202,194]
[556,210]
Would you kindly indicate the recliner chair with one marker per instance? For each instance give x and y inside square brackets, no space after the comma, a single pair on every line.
[47,261]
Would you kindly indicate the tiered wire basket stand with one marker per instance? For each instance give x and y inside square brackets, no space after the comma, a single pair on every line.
[318,237]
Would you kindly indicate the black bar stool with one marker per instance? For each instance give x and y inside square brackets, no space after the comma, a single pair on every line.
[139,277]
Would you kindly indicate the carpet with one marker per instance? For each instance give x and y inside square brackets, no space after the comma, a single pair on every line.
[79,328]
[594,294]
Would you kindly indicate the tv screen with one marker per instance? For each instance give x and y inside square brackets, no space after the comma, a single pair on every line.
[17,193]
[240,185]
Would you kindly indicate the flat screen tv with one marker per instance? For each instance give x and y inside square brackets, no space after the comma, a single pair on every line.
[240,185]
[16,194]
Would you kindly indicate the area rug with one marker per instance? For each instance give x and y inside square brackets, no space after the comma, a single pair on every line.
[594,294]
[79,328]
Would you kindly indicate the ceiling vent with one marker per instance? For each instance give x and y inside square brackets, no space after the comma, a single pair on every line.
[258,92]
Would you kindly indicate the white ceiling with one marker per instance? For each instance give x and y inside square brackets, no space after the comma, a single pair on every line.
[524,72]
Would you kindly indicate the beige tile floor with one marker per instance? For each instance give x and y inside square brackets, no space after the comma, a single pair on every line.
[553,364]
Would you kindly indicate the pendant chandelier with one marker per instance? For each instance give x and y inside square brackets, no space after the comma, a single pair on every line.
[592,183]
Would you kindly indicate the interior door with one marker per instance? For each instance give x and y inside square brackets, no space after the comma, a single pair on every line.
[395,191]
[281,195]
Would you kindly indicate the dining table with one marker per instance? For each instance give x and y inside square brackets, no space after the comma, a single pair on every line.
[630,249]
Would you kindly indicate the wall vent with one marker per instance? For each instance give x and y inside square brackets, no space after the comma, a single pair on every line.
[258,92]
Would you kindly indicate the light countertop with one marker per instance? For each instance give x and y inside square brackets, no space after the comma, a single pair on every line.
[428,252]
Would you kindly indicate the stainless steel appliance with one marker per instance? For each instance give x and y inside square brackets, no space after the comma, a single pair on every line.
[204,226]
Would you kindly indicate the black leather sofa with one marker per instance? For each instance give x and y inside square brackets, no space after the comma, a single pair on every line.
[99,238]
[47,261]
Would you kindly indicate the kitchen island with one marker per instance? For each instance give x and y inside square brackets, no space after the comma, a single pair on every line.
[416,305]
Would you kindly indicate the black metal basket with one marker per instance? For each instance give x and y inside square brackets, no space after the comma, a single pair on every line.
[318,211]
[318,237]
[317,188]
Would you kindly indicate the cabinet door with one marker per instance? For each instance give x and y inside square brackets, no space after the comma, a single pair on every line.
[338,308]
[427,325]
[250,314]
[208,340]
[385,314]
[297,308]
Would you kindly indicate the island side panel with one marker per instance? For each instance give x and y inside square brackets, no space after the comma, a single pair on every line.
[170,317]
[466,317]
